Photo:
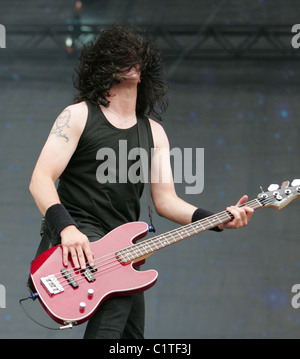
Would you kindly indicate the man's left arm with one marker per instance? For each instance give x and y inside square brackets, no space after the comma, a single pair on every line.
[165,199]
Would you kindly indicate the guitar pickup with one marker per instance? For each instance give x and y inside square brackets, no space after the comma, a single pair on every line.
[69,278]
[88,273]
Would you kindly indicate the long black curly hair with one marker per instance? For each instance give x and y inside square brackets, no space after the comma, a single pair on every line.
[103,61]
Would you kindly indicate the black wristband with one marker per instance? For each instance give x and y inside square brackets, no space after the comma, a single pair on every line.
[201,213]
[58,218]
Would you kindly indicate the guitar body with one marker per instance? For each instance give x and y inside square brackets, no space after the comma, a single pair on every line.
[73,296]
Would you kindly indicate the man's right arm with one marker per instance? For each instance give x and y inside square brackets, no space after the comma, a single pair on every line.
[54,157]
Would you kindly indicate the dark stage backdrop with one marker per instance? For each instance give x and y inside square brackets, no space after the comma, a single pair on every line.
[234,284]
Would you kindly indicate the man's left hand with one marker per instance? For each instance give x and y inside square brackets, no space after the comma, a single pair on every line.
[242,215]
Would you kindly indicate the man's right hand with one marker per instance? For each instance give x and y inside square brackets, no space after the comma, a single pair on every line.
[77,244]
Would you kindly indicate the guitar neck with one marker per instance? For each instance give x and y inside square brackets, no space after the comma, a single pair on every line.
[145,248]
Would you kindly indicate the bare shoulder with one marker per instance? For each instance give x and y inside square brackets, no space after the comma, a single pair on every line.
[160,137]
[75,113]
[79,108]
[71,121]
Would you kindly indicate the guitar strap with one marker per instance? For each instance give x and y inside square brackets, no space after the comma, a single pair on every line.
[144,132]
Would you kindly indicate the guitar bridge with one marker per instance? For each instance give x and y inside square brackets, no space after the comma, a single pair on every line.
[52,285]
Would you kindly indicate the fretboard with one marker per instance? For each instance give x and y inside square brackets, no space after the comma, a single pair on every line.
[148,246]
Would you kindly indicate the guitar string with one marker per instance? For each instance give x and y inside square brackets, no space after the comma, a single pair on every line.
[261,201]
[112,257]
[115,263]
[132,250]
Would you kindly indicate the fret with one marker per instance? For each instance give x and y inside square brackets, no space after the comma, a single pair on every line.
[194,228]
[211,220]
[130,255]
[137,249]
[196,225]
[168,243]
[160,242]
[185,229]
[124,253]
[218,216]
[143,244]
[165,241]
[180,234]
[170,233]
[159,239]
[151,249]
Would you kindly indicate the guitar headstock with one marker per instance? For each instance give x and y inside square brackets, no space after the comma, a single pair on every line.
[279,196]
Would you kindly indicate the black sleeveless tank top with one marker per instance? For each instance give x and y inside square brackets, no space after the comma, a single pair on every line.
[94,187]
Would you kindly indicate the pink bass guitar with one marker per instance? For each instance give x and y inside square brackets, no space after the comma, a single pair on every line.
[71,296]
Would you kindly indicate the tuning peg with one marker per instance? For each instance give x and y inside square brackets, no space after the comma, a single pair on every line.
[296,182]
[285,184]
[273,187]
[263,194]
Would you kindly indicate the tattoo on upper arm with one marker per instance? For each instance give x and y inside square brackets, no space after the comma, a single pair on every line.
[61,124]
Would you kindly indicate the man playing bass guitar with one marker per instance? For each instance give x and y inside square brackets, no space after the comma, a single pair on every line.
[118,84]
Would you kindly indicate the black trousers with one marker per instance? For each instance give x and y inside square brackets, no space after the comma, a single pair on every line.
[118,318]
